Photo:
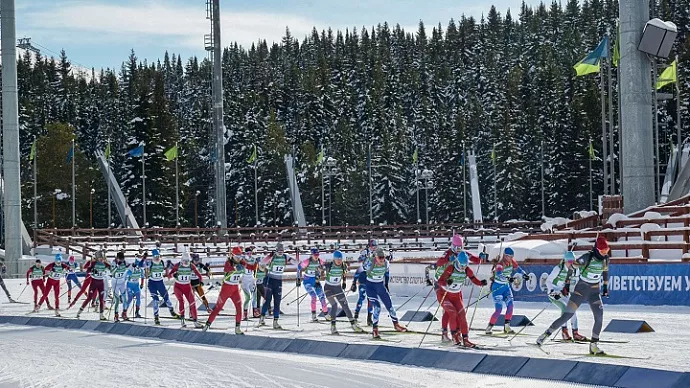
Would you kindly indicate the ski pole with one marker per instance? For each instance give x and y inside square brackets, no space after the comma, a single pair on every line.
[297,299]
[524,327]
[480,289]
[23,289]
[420,305]
[432,319]
[412,297]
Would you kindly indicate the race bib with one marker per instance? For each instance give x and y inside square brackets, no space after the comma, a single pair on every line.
[119,275]
[183,278]
[55,275]
[454,287]
[377,277]
[279,269]
[248,272]
[335,279]
[156,275]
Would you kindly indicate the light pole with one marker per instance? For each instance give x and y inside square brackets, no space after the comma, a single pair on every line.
[329,170]
[196,207]
[426,176]
[91,207]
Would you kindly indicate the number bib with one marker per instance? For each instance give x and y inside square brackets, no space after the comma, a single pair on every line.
[37,273]
[56,273]
[233,278]
[157,271]
[335,275]
[184,274]
[377,273]
[458,278]
[278,265]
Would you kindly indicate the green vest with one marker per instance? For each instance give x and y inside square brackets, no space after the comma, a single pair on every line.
[335,274]
[157,271]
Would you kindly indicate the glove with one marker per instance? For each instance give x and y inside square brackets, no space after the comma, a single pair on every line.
[298,282]
[449,281]
[484,282]
[353,288]
[511,279]
[525,277]
[483,256]
[605,290]
[566,290]
[555,295]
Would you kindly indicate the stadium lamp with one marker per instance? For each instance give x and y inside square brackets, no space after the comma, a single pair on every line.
[657,38]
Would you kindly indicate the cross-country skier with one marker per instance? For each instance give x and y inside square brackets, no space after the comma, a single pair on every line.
[72,277]
[501,291]
[96,288]
[182,272]
[376,291]
[559,293]
[450,284]
[37,274]
[233,273]
[197,283]
[55,271]
[260,291]
[309,273]
[248,281]
[594,268]
[135,282]
[87,282]
[273,283]
[336,272]
[3,270]
[361,278]
[119,286]
[155,274]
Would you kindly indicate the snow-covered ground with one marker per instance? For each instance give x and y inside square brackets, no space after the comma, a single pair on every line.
[669,323]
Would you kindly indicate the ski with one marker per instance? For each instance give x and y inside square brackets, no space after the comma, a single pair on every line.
[17,302]
[589,341]
[532,344]
[384,340]
[606,356]
[485,348]
[504,336]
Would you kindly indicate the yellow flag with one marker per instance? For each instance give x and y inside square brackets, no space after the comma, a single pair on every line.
[669,76]
[171,154]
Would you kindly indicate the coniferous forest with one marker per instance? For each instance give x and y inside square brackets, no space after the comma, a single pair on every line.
[503,83]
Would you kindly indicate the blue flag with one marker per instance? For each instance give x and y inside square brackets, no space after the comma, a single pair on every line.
[462,159]
[70,154]
[139,151]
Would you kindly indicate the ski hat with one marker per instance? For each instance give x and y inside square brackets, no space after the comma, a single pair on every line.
[456,243]
[602,245]
[337,255]
[373,243]
[120,255]
[196,257]
[38,261]
[185,257]
[58,257]
[155,252]
[569,257]
[237,251]
[71,259]
[380,252]
[509,251]
[314,251]
[461,261]
[279,248]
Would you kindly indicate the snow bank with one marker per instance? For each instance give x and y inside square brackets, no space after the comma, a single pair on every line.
[533,249]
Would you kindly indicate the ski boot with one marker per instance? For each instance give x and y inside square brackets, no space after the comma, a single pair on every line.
[507,329]
[356,316]
[457,338]
[355,327]
[124,316]
[444,337]
[399,328]
[209,310]
[102,317]
[156,320]
[333,329]
[175,315]
[57,313]
[262,320]
[36,308]
[50,307]
[565,335]
[370,321]
[136,314]
[182,321]
[578,337]
[11,300]
[313,317]
[117,317]
[245,315]
[375,333]
[489,329]
[256,312]
[206,326]
[197,324]
[79,312]
[594,349]
[329,318]
[542,338]
[276,326]
[466,343]
[238,330]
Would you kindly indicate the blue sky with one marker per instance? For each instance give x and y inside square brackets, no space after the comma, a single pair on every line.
[101,33]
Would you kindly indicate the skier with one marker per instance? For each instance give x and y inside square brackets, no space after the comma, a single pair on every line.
[361,277]
[450,284]
[182,272]
[135,282]
[376,270]
[96,288]
[309,273]
[155,274]
[119,286]
[500,289]
[85,285]
[3,270]
[273,283]
[197,284]
[336,271]
[72,277]
[594,267]
[55,271]
[234,271]
[559,294]
[248,281]
[37,273]
[260,291]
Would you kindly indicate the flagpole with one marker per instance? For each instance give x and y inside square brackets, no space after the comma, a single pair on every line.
[74,198]
[620,128]
[655,119]
[464,185]
[611,131]
[591,189]
[256,191]
[678,115]
[604,158]
[177,188]
[143,186]
[323,198]
[495,189]
[371,210]
[35,187]
[107,161]
[543,197]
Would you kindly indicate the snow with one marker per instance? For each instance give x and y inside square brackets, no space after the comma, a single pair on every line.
[614,218]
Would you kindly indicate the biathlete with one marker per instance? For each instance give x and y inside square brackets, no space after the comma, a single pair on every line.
[336,272]
[135,282]
[377,293]
[37,273]
[273,283]
[197,283]
[248,281]
[233,273]
[501,291]
[155,274]
[96,288]
[119,286]
[182,272]
[55,271]
[594,269]
[309,273]
[72,277]
[361,278]
[559,293]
